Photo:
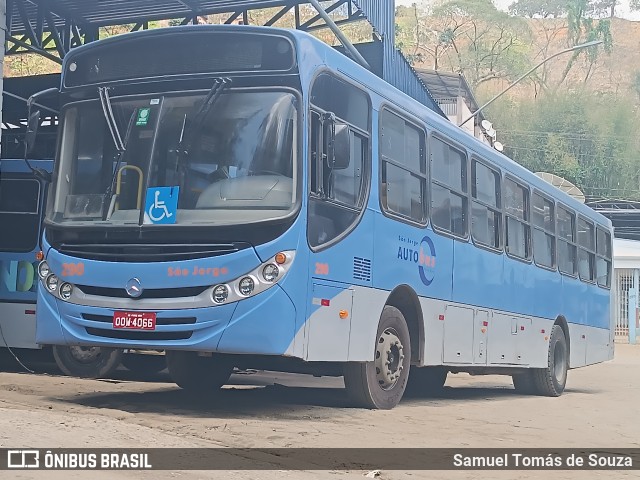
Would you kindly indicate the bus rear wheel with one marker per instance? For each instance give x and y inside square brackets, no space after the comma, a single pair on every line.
[87,362]
[380,384]
[198,374]
[549,381]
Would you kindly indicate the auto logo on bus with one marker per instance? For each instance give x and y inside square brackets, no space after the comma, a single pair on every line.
[422,253]
[427,261]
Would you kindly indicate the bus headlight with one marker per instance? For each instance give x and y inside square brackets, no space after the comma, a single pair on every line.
[52,283]
[220,293]
[246,286]
[270,272]
[261,278]
[65,291]
[43,269]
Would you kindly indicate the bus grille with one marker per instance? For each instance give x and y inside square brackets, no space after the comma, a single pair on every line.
[147,293]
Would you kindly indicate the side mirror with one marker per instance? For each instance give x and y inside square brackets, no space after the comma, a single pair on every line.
[339,146]
[32,130]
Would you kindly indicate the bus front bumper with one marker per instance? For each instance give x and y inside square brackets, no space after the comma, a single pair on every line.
[263,324]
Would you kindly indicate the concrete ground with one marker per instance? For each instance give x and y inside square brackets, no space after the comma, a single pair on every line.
[45,410]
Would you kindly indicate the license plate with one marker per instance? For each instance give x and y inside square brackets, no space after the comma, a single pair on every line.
[134,320]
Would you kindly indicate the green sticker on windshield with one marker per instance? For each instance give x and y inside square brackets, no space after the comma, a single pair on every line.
[143,116]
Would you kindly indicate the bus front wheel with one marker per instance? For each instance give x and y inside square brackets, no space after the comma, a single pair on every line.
[381,383]
[87,362]
[198,374]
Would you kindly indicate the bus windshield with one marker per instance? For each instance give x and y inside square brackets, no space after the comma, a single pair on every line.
[237,166]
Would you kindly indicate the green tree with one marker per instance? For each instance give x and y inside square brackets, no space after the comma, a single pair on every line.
[479,40]
[586,139]
[538,8]
[583,28]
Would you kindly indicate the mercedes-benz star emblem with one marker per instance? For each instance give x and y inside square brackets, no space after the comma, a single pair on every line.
[134,288]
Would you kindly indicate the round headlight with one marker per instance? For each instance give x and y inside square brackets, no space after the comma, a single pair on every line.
[43,269]
[270,272]
[246,286]
[65,291]
[52,283]
[220,294]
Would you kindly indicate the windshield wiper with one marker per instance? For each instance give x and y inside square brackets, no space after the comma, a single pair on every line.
[185,142]
[120,144]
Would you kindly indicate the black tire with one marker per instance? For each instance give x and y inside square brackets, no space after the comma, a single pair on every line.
[426,381]
[144,364]
[87,362]
[373,384]
[524,382]
[198,374]
[551,381]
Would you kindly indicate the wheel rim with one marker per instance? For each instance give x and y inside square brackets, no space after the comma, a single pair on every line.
[389,359]
[559,363]
[85,354]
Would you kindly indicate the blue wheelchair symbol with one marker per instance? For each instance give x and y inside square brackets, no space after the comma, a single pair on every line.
[161,205]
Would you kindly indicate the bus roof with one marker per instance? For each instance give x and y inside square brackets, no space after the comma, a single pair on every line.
[451,131]
[330,56]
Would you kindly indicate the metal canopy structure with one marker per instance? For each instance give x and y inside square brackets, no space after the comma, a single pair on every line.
[624,215]
[447,87]
[16,90]
[43,26]
[52,27]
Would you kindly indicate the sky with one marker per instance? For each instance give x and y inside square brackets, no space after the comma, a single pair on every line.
[621,11]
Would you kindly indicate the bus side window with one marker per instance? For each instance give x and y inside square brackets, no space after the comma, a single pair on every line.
[19,214]
[586,250]
[404,169]
[336,194]
[518,230]
[448,188]
[544,240]
[603,261]
[486,219]
[567,254]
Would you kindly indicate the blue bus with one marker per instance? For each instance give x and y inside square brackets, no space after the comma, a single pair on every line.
[22,199]
[21,210]
[265,202]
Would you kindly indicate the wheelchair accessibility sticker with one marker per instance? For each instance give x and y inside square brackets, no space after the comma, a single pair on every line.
[161,205]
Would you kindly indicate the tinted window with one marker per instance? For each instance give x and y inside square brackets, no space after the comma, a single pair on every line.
[404,181]
[449,188]
[336,195]
[342,99]
[603,259]
[19,195]
[485,216]
[516,207]
[567,250]
[19,204]
[544,240]
[586,250]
